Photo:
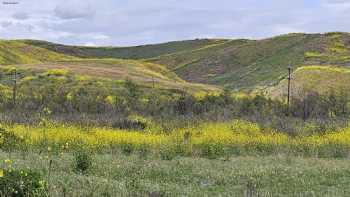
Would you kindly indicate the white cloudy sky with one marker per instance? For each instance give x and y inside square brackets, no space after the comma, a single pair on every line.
[134,22]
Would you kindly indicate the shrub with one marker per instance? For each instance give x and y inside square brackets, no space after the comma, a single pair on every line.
[127,148]
[22,183]
[57,72]
[82,161]
[9,141]
[311,54]
[167,152]
[143,151]
[245,128]
[131,123]
[212,151]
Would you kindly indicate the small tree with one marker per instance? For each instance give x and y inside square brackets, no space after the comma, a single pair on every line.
[133,93]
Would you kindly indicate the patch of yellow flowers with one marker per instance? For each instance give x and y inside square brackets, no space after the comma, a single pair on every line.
[8,164]
[233,134]
[94,137]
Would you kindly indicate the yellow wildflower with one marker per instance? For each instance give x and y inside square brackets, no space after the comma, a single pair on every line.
[8,162]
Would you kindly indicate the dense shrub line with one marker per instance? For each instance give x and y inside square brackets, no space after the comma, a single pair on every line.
[78,99]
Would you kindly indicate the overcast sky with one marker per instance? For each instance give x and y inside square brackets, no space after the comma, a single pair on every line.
[135,22]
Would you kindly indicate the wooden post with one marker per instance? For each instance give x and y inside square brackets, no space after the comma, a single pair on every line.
[289,86]
[14,90]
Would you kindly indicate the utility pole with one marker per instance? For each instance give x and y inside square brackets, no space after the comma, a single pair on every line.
[289,85]
[14,90]
[153,82]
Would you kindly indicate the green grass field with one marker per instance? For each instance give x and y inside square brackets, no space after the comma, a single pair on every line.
[119,175]
[131,163]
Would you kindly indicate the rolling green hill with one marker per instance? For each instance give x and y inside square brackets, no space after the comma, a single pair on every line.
[243,64]
[236,64]
[18,52]
[25,54]
[136,52]
[147,74]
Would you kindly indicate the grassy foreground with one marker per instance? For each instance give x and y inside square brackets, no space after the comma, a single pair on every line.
[235,158]
[118,175]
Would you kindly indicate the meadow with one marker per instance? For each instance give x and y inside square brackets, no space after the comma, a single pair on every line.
[120,175]
[75,121]
[249,161]
[101,137]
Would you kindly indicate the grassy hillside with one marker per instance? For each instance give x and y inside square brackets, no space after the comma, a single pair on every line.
[241,63]
[236,64]
[333,48]
[137,52]
[247,64]
[18,52]
[321,79]
[25,54]
[146,74]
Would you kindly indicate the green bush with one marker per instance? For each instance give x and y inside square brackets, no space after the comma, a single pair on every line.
[167,152]
[143,151]
[18,183]
[127,149]
[9,141]
[245,127]
[82,161]
[132,123]
[212,151]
